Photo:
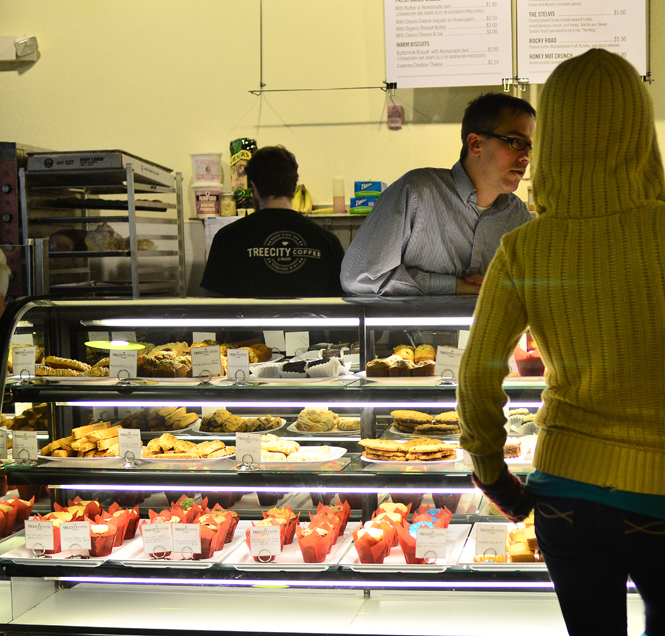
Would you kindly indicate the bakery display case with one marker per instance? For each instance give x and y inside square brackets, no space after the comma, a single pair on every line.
[320,419]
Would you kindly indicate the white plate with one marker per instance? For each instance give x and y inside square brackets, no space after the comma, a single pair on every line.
[348,376]
[185,460]
[77,460]
[187,429]
[428,380]
[104,379]
[26,557]
[197,428]
[290,559]
[335,453]
[132,555]
[192,381]
[443,436]
[275,358]
[466,557]
[408,463]
[292,429]
[395,562]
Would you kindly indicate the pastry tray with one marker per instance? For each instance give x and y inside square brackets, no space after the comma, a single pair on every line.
[395,562]
[290,559]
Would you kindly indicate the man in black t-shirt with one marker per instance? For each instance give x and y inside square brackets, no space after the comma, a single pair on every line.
[275,252]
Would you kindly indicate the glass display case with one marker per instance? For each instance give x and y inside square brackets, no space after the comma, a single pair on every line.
[127,591]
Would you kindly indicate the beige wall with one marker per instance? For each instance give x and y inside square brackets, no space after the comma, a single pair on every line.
[163,78]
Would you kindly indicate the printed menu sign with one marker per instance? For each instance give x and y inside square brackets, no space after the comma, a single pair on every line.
[550,31]
[448,42]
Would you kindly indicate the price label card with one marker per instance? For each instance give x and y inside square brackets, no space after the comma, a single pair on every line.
[129,443]
[24,445]
[75,535]
[448,361]
[129,336]
[297,342]
[522,342]
[3,444]
[265,541]
[275,340]
[157,538]
[201,336]
[23,339]
[237,363]
[491,538]
[103,413]
[98,336]
[248,448]
[23,361]
[39,535]
[122,364]
[207,361]
[186,538]
[431,543]
[463,338]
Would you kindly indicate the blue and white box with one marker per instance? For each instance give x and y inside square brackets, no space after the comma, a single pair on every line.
[369,188]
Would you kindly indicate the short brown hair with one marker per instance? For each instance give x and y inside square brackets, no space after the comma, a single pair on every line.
[274,171]
[484,114]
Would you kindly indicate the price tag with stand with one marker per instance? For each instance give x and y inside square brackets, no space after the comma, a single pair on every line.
[463,338]
[23,361]
[491,538]
[127,336]
[186,538]
[275,340]
[448,361]
[237,364]
[103,413]
[265,541]
[297,342]
[248,448]
[75,535]
[157,538]
[431,543]
[39,535]
[129,443]
[24,445]
[3,444]
[207,361]
[122,364]
[25,339]
[98,336]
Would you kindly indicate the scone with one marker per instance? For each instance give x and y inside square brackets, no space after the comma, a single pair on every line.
[424,352]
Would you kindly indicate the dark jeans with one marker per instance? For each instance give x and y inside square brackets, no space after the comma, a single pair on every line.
[590,550]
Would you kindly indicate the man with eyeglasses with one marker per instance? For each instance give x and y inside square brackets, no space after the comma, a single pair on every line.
[434,231]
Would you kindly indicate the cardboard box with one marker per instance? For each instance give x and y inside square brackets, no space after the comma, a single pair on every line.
[369,188]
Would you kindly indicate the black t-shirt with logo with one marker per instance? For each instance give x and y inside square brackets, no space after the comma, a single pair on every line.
[274,253]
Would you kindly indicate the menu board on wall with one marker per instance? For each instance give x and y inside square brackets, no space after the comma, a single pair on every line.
[549,31]
[448,43]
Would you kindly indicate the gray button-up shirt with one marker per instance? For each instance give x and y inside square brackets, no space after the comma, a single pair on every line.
[424,233]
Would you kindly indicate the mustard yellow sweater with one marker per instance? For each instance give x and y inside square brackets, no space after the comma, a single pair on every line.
[588,277]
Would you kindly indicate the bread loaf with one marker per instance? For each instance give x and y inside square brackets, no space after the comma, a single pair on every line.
[68,241]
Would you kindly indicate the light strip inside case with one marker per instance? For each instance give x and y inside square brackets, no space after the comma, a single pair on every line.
[458,321]
[260,404]
[132,323]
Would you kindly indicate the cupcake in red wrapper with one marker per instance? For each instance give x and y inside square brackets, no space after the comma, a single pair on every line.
[342,512]
[314,543]
[392,520]
[220,515]
[132,519]
[371,545]
[190,509]
[439,516]
[56,518]
[10,512]
[327,521]
[291,518]
[389,531]
[2,523]
[211,534]
[401,509]
[450,501]
[102,536]
[84,508]
[221,522]
[529,362]
[23,510]
[119,520]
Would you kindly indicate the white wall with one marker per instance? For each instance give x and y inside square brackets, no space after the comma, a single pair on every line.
[163,78]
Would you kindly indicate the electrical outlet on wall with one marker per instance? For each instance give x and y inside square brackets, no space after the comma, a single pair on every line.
[395,116]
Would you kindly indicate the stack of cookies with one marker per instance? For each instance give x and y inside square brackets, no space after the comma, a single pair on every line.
[415,422]
[420,449]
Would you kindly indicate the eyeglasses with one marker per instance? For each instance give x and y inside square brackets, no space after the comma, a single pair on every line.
[517,143]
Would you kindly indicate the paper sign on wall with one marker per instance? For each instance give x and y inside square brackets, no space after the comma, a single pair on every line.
[297,342]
